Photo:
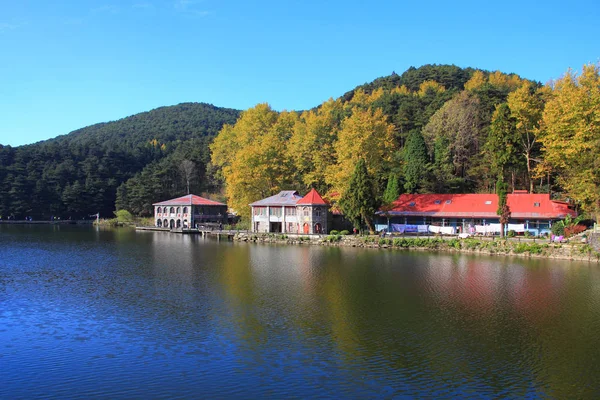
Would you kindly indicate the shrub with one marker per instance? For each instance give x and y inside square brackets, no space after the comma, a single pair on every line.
[558,229]
[385,242]
[344,232]
[333,232]
[333,238]
[511,233]
[527,234]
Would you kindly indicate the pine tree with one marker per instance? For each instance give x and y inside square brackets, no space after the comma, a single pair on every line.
[415,157]
[359,203]
[392,190]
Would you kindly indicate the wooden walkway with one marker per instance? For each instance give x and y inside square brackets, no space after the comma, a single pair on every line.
[219,234]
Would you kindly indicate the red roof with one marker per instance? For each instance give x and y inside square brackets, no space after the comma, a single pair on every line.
[189,200]
[312,198]
[522,205]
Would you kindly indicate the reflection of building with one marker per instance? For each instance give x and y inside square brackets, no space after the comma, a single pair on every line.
[288,212]
[189,211]
[529,212]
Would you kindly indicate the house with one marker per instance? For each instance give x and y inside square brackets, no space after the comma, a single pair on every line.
[472,213]
[288,212]
[189,211]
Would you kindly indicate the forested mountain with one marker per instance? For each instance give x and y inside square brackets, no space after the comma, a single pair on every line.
[75,175]
[437,128]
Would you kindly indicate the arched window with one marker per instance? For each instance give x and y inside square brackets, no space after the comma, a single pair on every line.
[172,210]
[179,223]
[165,223]
[178,210]
[318,212]
[305,211]
[158,210]
[159,223]
[185,210]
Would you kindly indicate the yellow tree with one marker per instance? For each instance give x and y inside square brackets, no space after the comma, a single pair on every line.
[477,80]
[526,106]
[252,153]
[311,145]
[365,134]
[430,86]
[570,135]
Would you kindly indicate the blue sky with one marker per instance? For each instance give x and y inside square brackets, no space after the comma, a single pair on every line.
[68,64]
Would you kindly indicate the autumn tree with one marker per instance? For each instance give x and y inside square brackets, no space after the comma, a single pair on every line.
[570,135]
[187,169]
[366,135]
[526,107]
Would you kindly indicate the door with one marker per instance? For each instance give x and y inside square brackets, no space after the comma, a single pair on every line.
[305,228]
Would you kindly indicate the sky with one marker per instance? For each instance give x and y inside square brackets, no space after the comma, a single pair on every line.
[69,64]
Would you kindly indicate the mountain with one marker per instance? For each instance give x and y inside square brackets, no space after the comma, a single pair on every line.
[78,174]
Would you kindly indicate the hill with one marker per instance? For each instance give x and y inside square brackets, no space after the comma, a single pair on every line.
[75,175]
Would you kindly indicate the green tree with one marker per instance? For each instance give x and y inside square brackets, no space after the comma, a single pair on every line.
[392,190]
[359,202]
[501,146]
[503,210]
[415,161]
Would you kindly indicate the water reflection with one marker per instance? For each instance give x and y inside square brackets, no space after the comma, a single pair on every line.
[115,313]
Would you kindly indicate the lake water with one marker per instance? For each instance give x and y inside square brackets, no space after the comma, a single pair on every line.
[87,313]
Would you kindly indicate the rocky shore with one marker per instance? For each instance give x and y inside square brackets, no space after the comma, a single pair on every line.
[520,247]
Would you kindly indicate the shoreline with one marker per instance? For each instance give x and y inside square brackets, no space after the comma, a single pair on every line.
[525,248]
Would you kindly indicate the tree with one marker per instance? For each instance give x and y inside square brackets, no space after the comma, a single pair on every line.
[570,135]
[359,202]
[366,135]
[526,107]
[503,210]
[501,146]
[392,190]
[187,169]
[415,161]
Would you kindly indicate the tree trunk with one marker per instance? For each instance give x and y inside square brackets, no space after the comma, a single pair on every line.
[528,158]
[369,225]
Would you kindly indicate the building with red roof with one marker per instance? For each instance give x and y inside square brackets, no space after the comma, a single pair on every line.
[188,211]
[288,212]
[534,212]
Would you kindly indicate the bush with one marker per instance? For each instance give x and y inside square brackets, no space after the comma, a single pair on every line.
[333,232]
[344,232]
[124,216]
[527,234]
[511,233]
[558,229]
[385,242]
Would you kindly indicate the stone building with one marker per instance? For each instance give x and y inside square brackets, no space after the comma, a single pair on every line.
[189,212]
[288,212]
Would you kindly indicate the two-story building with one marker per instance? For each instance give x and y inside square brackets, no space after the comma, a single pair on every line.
[189,212]
[288,212]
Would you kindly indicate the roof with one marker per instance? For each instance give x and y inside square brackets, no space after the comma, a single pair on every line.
[189,200]
[312,198]
[283,198]
[522,205]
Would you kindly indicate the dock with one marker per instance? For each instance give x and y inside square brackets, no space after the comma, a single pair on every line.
[219,234]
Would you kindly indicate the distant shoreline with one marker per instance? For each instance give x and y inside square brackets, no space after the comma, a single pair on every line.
[40,222]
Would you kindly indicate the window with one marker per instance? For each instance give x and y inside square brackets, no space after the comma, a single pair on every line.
[185,210]
[438,202]
[412,204]
[305,211]
[275,211]
[260,210]
[318,212]
[488,202]
[448,201]
[291,211]
[158,210]
[536,204]
[178,210]
[172,210]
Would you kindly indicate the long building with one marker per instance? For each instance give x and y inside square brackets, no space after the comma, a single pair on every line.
[472,213]
[188,211]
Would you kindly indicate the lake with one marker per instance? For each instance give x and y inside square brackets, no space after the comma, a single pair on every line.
[91,313]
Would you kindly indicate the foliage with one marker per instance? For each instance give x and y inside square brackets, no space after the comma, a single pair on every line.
[344,232]
[77,175]
[333,232]
[415,162]
[570,135]
[392,190]
[124,216]
[359,202]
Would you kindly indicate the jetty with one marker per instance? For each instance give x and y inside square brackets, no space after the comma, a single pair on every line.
[219,234]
